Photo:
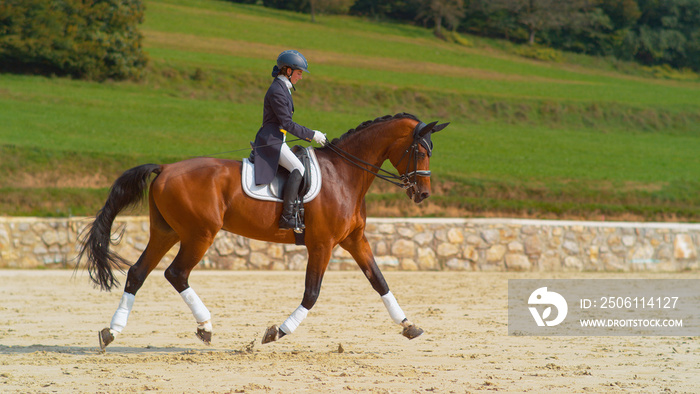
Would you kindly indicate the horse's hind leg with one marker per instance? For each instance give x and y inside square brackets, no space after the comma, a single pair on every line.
[162,239]
[360,250]
[191,252]
[137,274]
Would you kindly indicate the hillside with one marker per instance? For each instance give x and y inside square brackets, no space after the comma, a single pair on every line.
[569,139]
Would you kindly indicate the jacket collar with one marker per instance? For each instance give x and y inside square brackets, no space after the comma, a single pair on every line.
[286,82]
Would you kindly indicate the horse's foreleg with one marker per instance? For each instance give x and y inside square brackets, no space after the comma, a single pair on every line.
[362,253]
[316,267]
[178,274]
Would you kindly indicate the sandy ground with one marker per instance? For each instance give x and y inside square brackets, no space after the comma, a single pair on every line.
[49,322]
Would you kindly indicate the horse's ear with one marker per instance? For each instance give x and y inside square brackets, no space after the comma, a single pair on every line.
[427,129]
[440,127]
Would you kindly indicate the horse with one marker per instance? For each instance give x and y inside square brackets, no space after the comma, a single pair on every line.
[190,201]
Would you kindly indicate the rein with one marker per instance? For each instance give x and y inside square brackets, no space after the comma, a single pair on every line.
[405,181]
[245,149]
[354,160]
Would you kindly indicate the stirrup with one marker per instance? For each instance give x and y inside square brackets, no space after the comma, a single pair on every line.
[291,223]
[299,220]
[296,220]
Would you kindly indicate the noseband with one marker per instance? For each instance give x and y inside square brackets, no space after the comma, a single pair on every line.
[409,180]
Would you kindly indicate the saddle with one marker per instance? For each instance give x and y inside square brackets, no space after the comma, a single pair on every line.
[310,185]
[309,189]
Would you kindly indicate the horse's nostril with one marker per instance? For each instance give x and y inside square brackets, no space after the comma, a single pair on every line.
[424,195]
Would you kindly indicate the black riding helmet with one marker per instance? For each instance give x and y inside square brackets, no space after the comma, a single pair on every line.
[292,59]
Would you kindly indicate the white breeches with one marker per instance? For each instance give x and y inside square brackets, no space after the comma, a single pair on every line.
[289,160]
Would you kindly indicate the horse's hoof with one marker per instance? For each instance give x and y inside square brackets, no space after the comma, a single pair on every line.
[412,331]
[105,337]
[204,336]
[271,334]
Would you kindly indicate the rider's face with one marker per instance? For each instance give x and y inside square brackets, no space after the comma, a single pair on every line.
[296,76]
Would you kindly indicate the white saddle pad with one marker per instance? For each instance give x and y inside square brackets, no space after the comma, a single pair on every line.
[273,190]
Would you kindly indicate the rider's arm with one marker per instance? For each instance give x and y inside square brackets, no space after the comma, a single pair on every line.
[282,107]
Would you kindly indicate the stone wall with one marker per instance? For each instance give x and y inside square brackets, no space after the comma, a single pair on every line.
[399,244]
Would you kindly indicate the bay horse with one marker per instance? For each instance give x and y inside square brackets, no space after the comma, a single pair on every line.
[192,200]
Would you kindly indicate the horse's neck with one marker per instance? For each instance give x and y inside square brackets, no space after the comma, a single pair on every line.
[369,145]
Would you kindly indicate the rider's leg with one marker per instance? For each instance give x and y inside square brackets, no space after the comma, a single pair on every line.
[289,161]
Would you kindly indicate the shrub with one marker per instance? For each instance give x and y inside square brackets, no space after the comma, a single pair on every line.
[539,53]
[91,39]
[453,36]
[667,72]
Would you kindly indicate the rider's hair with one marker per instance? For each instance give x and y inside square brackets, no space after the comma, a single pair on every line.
[276,71]
[284,71]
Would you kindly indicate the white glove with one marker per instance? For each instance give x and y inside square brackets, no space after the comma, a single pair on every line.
[320,138]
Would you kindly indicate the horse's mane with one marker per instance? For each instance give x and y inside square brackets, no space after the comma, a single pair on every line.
[368,123]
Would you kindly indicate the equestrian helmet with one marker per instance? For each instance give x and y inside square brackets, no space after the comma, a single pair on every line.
[292,59]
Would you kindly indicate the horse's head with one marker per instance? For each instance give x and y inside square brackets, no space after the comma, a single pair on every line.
[414,162]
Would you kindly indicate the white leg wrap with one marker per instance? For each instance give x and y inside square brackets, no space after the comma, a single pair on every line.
[206,326]
[122,314]
[294,320]
[393,307]
[200,312]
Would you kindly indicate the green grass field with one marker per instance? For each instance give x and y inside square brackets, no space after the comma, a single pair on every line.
[527,138]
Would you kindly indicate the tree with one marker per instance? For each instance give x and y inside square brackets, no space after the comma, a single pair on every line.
[437,11]
[311,6]
[622,13]
[405,10]
[668,32]
[93,39]
[291,5]
[593,34]
[337,7]
[538,15]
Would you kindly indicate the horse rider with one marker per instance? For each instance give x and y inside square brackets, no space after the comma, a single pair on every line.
[270,148]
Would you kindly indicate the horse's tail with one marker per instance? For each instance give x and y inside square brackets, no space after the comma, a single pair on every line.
[128,190]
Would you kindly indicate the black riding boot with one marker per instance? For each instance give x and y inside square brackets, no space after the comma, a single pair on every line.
[291,192]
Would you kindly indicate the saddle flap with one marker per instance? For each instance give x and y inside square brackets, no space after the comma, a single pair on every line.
[276,187]
[303,155]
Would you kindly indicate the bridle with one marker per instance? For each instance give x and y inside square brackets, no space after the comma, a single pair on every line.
[409,180]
